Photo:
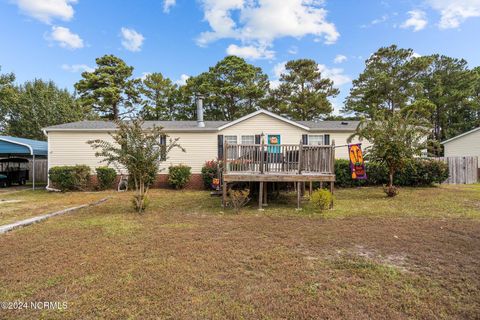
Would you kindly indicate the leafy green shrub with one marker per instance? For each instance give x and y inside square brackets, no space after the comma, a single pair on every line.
[210,170]
[377,174]
[343,177]
[69,178]
[415,173]
[321,199]
[106,177]
[179,175]
[422,172]
[438,170]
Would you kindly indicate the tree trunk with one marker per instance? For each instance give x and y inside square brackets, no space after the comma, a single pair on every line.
[115,111]
[390,176]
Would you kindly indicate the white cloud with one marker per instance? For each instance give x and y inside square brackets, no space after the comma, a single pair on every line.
[293,50]
[337,105]
[144,75]
[339,58]
[334,74]
[77,68]
[279,69]
[250,52]
[416,55]
[379,20]
[274,84]
[417,20]
[47,10]
[131,39]
[65,38]
[167,4]
[453,13]
[260,22]
[183,80]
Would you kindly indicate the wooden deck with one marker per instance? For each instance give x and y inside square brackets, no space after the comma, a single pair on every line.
[278,177]
[263,163]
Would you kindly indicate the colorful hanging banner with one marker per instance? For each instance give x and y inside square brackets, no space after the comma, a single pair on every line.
[357,165]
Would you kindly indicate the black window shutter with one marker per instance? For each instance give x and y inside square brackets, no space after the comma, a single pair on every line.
[305,138]
[220,146]
[326,139]
[257,139]
[163,143]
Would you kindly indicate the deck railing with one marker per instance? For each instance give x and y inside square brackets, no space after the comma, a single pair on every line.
[281,158]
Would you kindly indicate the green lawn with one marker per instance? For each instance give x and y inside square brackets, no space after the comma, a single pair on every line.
[413,256]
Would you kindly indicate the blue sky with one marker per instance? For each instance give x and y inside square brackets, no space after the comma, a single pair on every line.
[58,39]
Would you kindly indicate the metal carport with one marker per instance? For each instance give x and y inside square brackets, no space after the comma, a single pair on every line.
[20,147]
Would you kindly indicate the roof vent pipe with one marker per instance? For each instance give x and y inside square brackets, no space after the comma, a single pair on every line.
[200,122]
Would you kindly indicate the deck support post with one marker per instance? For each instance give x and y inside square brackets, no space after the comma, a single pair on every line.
[262,155]
[331,191]
[300,158]
[299,192]
[265,193]
[224,170]
[260,196]
[310,189]
[224,194]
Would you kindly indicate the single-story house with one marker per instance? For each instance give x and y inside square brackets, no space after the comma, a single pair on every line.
[202,140]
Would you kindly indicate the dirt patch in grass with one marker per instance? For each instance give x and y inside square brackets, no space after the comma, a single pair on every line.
[26,204]
[186,259]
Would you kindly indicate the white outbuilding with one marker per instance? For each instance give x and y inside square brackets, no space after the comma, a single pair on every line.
[462,153]
[463,145]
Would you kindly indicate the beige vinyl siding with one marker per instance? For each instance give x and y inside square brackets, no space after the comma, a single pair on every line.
[340,138]
[263,123]
[467,145]
[199,146]
[71,148]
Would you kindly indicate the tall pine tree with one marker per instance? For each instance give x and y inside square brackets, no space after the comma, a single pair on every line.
[303,92]
[110,89]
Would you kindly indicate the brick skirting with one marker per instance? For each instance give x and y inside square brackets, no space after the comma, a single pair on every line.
[195,183]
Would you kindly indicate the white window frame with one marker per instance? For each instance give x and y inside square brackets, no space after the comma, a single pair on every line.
[227,137]
[249,136]
[316,135]
[231,153]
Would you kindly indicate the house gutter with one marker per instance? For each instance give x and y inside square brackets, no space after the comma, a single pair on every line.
[48,188]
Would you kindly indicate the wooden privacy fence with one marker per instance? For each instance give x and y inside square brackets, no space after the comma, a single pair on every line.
[281,158]
[461,170]
[40,170]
